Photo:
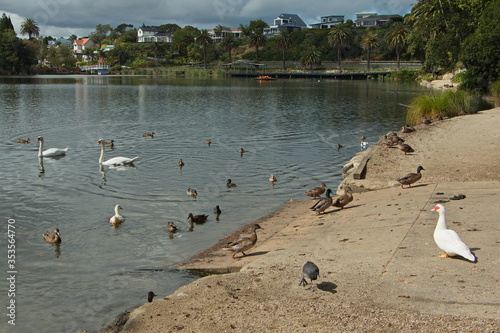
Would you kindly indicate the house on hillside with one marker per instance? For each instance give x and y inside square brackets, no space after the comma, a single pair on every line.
[289,22]
[60,41]
[374,20]
[328,22]
[147,34]
[82,44]
[218,36]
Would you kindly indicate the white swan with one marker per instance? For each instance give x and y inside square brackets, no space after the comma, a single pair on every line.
[51,152]
[117,218]
[119,160]
[448,240]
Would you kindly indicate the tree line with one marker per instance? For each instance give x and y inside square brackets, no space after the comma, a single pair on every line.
[446,35]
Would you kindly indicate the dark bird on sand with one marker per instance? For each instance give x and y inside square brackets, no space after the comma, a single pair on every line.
[411,177]
[323,204]
[310,271]
[343,199]
[405,148]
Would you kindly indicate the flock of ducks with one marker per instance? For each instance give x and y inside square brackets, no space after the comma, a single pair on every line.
[447,240]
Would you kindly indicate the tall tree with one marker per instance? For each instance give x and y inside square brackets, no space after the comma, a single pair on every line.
[284,41]
[369,42]
[203,39]
[229,43]
[397,39]
[257,39]
[6,23]
[30,27]
[340,36]
[218,31]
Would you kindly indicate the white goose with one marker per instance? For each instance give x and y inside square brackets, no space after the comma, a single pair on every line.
[119,160]
[448,240]
[51,152]
[117,218]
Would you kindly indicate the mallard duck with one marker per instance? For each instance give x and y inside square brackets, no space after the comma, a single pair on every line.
[52,237]
[273,179]
[339,146]
[217,212]
[342,200]
[192,192]
[242,151]
[117,218]
[396,139]
[197,218]
[425,120]
[316,192]
[150,296]
[405,148]
[110,144]
[243,243]
[114,161]
[208,142]
[171,227]
[438,117]
[152,134]
[27,140]
[322,204]
[411,177]
[51,152]
[230,184]
[310,271]
[407,129]
[448,240]
[180,163]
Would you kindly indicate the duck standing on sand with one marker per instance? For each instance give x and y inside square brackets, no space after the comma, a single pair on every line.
[310,271]
[316,192]
[342,200]
[323,204]
[448,240]
[407,129]
[411,177]
[243,243]
[117,219]
[405,148]
[54,238]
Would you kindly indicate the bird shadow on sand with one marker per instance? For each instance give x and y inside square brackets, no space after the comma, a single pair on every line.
[328,286]
[258,253]
[414,186]
[345,208]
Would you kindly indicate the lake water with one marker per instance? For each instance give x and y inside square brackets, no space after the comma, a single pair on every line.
[289,128]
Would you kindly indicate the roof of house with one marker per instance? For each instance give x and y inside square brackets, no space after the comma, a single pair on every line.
[148,28]
[294,19]
[82,41]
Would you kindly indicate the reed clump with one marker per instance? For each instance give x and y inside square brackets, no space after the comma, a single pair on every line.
[446,104]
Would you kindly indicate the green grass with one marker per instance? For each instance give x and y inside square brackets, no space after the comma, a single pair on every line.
[495,92]
[447,103]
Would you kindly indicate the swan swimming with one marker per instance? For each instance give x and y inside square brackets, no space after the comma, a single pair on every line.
[114,161]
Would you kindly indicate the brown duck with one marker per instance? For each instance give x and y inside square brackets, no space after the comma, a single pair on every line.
[243,243]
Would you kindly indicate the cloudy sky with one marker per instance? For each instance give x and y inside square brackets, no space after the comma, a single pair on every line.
[62,18]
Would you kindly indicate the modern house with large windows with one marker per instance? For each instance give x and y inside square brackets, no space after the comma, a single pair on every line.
[328,22]
[374,20]
[289,22]
[219,34]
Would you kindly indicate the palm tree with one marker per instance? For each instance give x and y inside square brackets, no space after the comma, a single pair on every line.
[257,39]
[284,40]
[311,57]
[203,40]
[397,39]
[218,32]
[369,42]
[229,43]
[340,36]
[30,27]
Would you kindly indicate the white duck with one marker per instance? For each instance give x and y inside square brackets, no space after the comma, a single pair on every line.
[51,152]
[448,240]
[119,160]
[117,218]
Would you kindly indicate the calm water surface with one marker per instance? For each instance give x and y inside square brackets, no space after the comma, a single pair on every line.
[290,128]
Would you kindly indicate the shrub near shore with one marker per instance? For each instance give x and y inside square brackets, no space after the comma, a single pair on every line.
[446,103]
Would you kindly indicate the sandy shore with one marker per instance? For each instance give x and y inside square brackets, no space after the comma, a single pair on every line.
[379,270]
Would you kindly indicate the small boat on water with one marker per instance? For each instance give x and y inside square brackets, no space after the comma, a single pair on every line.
[265,78]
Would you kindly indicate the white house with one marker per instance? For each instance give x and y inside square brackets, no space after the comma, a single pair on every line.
[81,44]
[289,22]
[328,22]
[219,36]
[147,34]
